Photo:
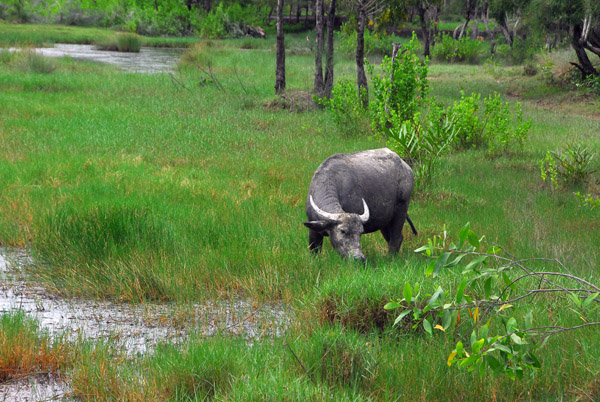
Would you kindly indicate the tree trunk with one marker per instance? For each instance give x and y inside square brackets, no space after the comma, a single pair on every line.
[468,15]
[280,56]
[506,32]
[319,85]
[361,77]
[585,65]
[422,10]
[328,84]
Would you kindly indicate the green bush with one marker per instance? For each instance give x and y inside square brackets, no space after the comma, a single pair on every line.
[414,125]
[571,165]
[495,126]
[375,43]
[346,107]
[450,50]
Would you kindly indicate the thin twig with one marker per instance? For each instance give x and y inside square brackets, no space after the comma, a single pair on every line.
[300,363]
[175,80]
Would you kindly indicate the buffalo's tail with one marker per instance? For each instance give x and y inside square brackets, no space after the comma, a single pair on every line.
[412,226]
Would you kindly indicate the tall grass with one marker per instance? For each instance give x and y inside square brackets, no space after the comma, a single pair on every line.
[26,350]
[122,42]
[141,187]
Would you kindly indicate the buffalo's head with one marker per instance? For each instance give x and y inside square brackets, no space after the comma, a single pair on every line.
[344,229]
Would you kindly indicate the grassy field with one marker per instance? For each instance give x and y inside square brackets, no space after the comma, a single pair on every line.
[145,187]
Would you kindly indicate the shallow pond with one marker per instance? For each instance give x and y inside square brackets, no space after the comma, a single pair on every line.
[149,59]
[138,328]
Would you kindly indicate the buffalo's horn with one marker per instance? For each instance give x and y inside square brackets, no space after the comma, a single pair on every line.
[323,214]
[365,215]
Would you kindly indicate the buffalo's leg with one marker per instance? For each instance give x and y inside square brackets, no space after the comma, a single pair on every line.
[315,241]
[393,232]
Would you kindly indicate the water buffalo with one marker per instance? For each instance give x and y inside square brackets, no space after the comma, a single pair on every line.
[352,194]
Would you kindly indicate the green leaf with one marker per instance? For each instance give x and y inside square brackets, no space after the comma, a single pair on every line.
[473,240]
[475,263]
[590,299]
[503,348]
[427,327]
[461,290]
[483,331]
[487,287]
[455,262]
[518,340]
[440,263]
[459,349]
[447,319]
[407,293]
[423,248]
[576,299]
[462,234]
[532,360]
[494,364]
[511,325]
[439,291]
[476,347]
[429,269]
[401,316]
[391,306]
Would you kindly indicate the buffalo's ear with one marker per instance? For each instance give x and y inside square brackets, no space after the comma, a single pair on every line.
[319,226]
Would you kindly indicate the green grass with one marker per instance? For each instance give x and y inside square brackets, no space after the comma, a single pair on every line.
[136,187]
[47,35]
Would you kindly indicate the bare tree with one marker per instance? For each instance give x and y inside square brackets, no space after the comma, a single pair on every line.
[364,8]
[428,11]
[328,84]
[319,83]
[280,56]
[470,10]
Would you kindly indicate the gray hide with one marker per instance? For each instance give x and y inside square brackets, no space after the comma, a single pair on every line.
[338,188]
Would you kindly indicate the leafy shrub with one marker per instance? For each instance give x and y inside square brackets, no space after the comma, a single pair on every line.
[593,83]
[422,140]
[495,127]
[400,89]
[230,21]
[415,127]
[375,43]
[346,107]
[491,282]
[589,200]
[504,132]
[213,25]
[568,166]
[530,69]
[451,50]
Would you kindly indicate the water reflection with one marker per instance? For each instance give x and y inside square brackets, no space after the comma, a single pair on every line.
[149,60]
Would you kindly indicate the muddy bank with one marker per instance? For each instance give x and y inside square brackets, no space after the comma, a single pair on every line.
[136,328]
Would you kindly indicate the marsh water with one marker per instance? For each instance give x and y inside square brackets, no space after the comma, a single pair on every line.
[137,328]
[148,60]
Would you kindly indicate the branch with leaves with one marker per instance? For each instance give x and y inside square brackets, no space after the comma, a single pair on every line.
[493,281]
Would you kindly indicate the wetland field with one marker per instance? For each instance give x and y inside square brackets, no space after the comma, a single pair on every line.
[170,206]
